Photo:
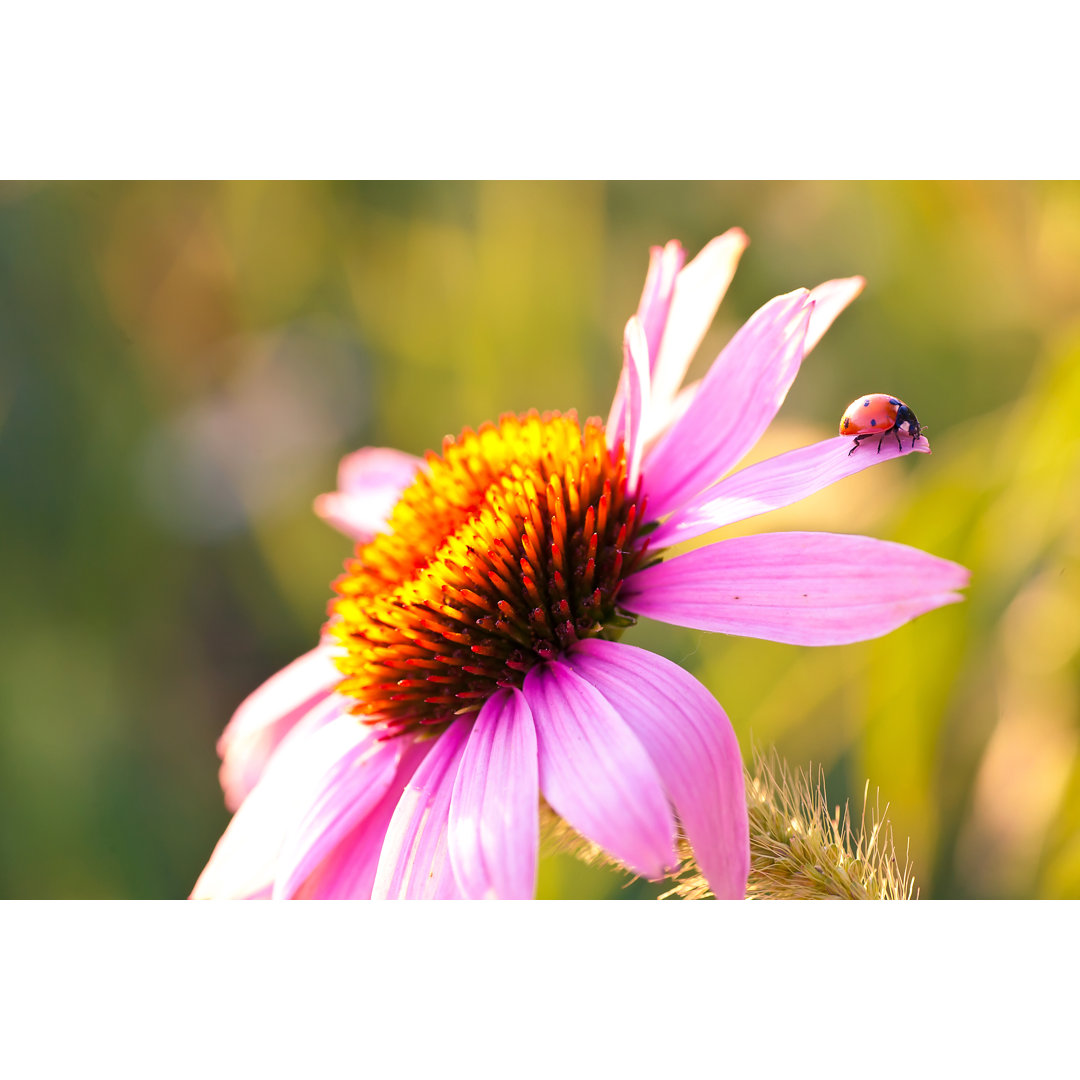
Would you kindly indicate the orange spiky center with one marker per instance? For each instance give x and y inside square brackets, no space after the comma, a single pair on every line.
[503,552]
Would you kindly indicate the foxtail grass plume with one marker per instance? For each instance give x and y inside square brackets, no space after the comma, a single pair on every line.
[800,849]
[470,666]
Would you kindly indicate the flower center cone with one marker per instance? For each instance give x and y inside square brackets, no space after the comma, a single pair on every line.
[510,546]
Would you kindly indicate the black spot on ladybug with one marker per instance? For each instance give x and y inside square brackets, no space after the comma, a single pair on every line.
[866,402]
[893,401]
[873,423]
[847,423]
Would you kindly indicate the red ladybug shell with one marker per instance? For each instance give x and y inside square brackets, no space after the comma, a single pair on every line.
[876,414]
[870,414]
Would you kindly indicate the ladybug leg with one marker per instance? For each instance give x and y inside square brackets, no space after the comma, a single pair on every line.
[899,444]
[865,435]
[879,442]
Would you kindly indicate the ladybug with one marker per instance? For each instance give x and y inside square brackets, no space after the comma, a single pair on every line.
[878,414]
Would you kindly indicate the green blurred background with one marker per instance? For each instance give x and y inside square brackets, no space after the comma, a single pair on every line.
[182,365]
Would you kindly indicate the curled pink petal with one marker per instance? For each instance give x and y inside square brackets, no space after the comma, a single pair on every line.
[415,862]
[626,421]
[779,481]
[347,871]
[802,588]
[830,298]
[739,396]
[699,288]
[494,810]
[370,481]
[267,715]
[652,313]
[636,373]
[595,772]
[691,742]
[346,794]
[246,859]
[656,298]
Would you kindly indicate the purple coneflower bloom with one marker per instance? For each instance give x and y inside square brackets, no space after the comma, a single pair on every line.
[470,664]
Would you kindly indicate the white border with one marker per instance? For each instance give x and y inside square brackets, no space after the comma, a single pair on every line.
[532,989]
[571,88]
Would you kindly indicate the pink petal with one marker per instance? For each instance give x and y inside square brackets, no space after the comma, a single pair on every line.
[662,416]
[347,872]
[802,588]
[739,396]
[415,862]
[376,467]
[652,313]
[494,811]
[627,410]
[664,266]
[267,715]
[596,774]
[830,298]
[316,717]
[698,291]
[780,481]
[346,794]
[370,482]
[690,740]
[245,861]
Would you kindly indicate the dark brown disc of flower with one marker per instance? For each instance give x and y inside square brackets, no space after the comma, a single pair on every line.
[503,552]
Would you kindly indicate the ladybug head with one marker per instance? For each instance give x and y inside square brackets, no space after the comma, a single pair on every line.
[904,415]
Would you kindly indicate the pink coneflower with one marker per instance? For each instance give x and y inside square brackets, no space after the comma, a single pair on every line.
[470,664]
